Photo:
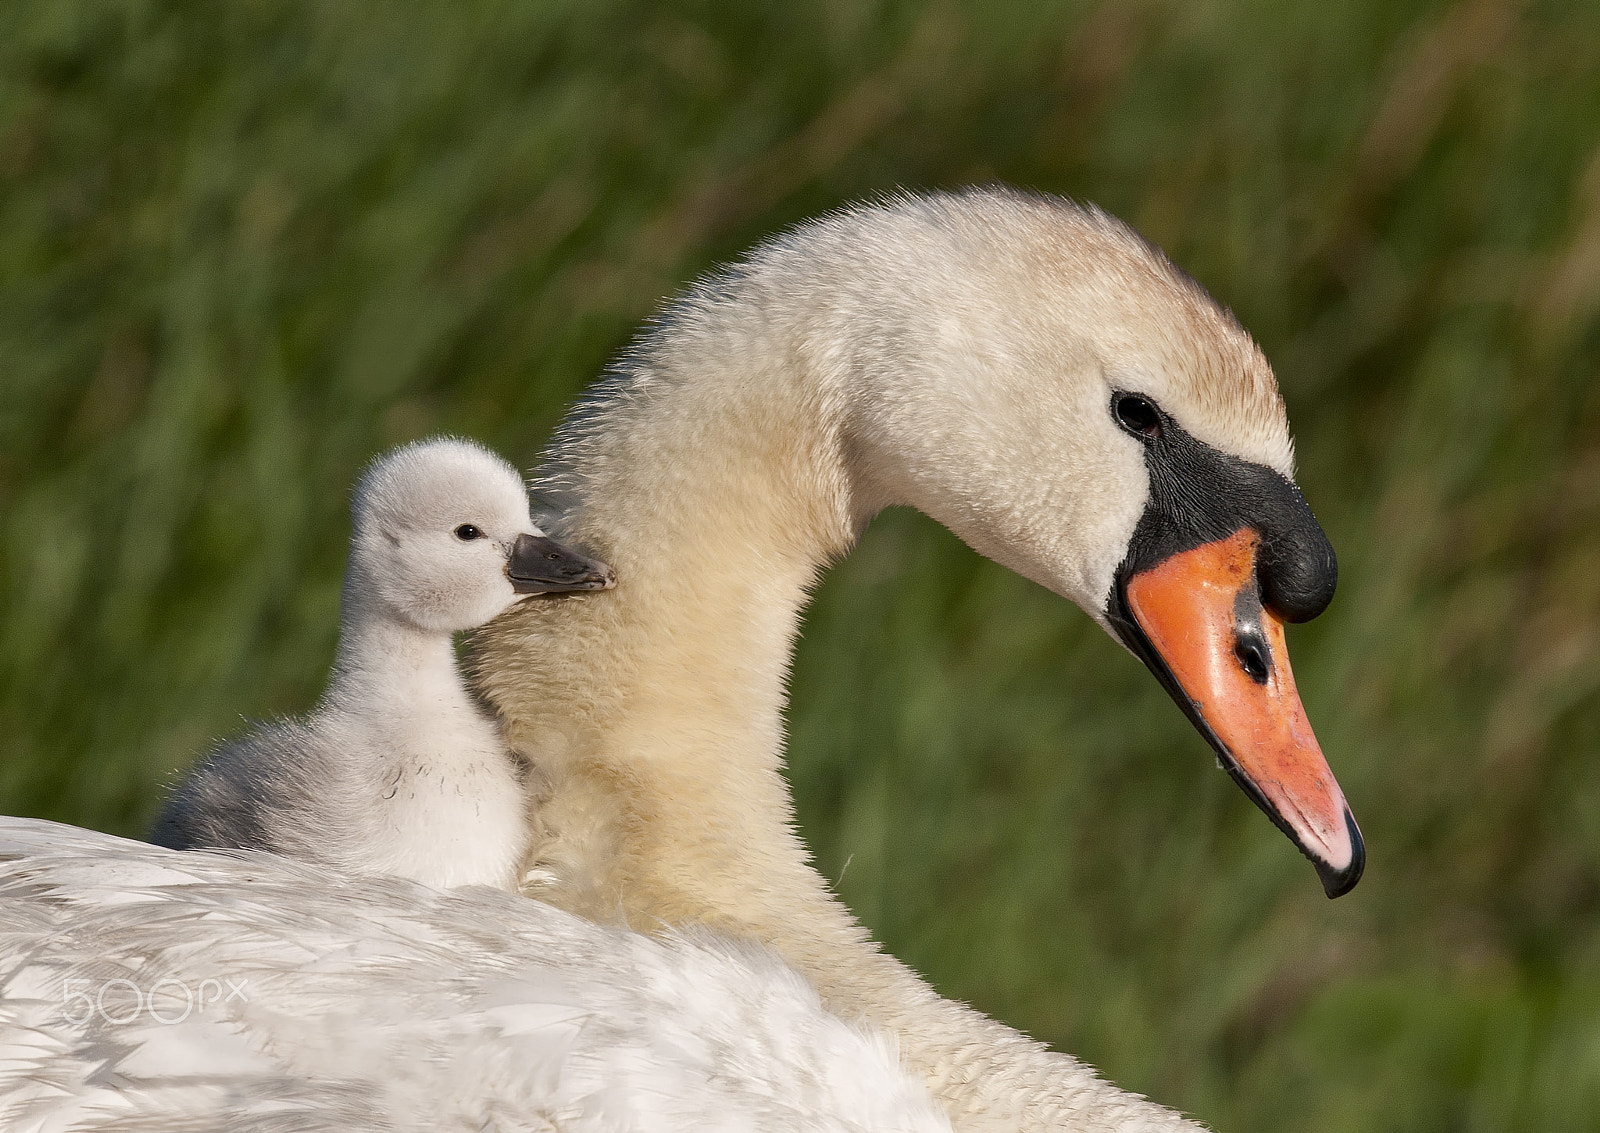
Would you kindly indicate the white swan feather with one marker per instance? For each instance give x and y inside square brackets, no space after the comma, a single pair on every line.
[338,1002]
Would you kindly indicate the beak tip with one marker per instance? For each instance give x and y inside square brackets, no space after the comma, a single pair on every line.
[1337,881]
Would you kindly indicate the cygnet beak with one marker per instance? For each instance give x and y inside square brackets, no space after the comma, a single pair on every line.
[540,565]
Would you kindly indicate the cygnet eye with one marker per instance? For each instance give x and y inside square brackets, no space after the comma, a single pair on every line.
[1137,415]
[467,532]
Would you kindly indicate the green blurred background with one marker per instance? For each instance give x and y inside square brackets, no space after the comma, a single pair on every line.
[245,244]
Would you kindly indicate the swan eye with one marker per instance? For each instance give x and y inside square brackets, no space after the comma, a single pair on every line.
[1137,415]
[467,532]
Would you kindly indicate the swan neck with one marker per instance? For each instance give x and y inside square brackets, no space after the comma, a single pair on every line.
[718,472]
[712,472]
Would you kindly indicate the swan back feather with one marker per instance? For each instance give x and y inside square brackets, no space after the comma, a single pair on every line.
[330,1001]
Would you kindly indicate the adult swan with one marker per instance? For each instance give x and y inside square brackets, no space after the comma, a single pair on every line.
[1028,372]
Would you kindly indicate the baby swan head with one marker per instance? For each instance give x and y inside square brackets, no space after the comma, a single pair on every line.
[443,539]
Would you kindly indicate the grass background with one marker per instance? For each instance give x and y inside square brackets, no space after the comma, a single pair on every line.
[244,244]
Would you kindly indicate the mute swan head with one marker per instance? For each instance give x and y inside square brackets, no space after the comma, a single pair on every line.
[1080,410]
[443,539]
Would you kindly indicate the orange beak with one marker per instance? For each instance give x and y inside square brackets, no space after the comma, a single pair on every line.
[1222,655]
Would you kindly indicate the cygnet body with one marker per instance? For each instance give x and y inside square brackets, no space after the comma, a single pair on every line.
[398,771]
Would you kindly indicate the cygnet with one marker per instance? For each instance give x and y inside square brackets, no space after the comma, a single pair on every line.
[398,770]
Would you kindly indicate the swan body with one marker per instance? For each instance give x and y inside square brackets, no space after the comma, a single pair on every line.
[398,770]
[1028,372]
[148,991]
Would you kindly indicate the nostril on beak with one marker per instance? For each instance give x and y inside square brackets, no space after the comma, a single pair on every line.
[1250,646]
[1252,655]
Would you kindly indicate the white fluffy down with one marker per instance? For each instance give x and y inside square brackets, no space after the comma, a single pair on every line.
[378,1004]
[397,770]
[406,562]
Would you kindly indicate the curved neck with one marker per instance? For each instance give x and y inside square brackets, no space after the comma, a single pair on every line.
[715,473]
[652,714]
